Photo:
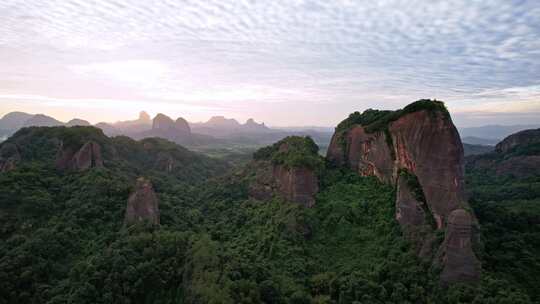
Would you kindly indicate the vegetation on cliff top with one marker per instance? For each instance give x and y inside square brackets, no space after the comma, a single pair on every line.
[292,152]
[378,120]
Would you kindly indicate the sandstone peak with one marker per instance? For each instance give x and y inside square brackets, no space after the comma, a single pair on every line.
[421,141]
[162,122]
[142,204]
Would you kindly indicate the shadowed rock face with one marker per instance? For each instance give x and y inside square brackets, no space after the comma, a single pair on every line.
[426,144]
[182,125]
[366,153]
[142,204]
[460,262]
[297,185]
[9,156]
[88,156]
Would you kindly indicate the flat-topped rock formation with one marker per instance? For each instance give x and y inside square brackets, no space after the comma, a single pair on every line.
[419,150]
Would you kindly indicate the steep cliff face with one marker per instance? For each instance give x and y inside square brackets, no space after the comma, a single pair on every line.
[422,141]
[142,204]
[288,169]
[86,157]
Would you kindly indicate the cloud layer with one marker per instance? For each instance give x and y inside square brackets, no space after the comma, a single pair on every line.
[257,58]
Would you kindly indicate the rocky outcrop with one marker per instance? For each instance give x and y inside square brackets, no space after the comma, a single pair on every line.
[9,157]
[522,138]
[86,157]
[297,185]
[142,204]
[460,262]
[276,173]
[420,140]
[163,126]
[366,153]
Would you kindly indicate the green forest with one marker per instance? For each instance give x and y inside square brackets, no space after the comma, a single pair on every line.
[63,237]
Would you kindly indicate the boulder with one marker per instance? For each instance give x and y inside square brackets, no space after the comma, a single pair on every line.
[142,204]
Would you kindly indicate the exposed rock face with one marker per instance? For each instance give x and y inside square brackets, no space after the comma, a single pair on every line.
[522,138]
[424,143]
[142,204]
[366,153]
[297,185]
[9,156]
[88,156]
[294,182]
[429,146]
[460,262]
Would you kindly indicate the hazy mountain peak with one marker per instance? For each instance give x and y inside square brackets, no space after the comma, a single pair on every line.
[144,117]
[77,122]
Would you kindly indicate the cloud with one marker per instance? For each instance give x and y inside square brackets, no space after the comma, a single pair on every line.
[352,54]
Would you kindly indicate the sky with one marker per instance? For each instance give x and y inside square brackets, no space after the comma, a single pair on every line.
[287,63]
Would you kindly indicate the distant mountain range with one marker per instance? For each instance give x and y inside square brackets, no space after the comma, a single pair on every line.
[217,130]
[220,130]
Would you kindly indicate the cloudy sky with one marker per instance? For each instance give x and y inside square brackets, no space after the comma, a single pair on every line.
[283,62]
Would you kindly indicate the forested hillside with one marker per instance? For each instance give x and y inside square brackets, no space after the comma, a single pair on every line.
[64,240]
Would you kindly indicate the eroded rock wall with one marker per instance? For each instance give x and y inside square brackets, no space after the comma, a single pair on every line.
[142,204]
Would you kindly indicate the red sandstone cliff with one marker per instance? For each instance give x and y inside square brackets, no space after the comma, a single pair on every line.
[86,157]
[296,183]
[425,144]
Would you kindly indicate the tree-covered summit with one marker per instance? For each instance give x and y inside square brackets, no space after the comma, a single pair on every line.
[292,151]
[378,120]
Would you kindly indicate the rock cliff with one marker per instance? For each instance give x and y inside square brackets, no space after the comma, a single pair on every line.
[86,157]
[418,143]
[142,204]
[288,169]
